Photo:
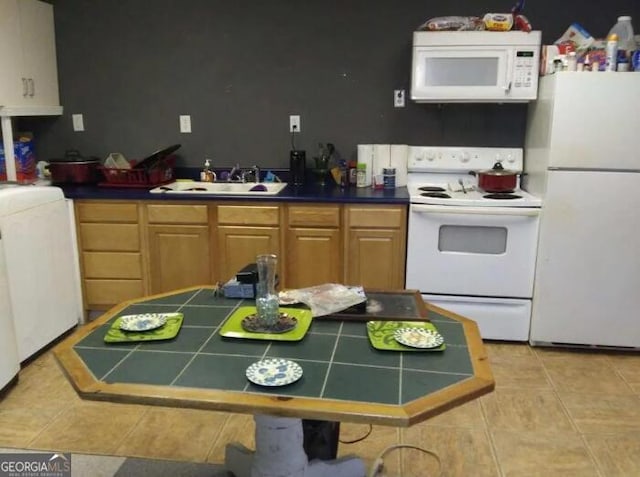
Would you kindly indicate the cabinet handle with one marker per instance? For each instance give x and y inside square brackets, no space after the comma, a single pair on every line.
[32,87]
[25,87]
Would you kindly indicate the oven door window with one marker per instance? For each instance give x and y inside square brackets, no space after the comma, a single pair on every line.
[470,239]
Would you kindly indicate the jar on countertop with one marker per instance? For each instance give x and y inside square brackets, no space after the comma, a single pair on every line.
[361,175]
[389,177]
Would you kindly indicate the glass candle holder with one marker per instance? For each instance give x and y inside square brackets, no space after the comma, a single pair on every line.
[267,301]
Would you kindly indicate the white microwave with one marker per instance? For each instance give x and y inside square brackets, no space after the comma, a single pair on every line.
[475,66]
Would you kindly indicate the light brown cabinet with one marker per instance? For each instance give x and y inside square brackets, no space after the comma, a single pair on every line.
[131,249]
[375,244]
[178,246]
[243,232]
[110,252]
[313,245]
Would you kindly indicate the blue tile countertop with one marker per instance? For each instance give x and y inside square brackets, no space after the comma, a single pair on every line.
[307,193]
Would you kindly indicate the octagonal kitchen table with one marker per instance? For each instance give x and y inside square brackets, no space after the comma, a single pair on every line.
[345,378]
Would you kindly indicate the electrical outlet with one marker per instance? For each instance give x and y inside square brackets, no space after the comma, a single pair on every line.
[294,123]
[398,98]
[78,122]
[185,123]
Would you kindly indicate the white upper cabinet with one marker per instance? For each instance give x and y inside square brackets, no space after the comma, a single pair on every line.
[28,69]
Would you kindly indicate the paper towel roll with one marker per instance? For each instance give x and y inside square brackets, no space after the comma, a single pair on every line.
[399,159]
[365,156]
[381,157]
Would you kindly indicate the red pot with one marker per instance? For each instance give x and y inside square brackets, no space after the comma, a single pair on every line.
[74,169]
[497,179]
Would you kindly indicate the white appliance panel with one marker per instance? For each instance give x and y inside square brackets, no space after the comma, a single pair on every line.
[471,251]
[588,268]
[499,319]
[472,66]
[40,265]
[584,121]
[9,362]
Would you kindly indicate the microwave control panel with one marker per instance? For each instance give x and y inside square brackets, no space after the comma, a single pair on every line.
[526,67]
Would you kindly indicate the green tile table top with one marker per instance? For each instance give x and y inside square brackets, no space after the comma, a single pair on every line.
[345,378]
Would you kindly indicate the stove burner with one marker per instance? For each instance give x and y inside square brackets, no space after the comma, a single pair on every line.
[502,196]
[440,195]
[432,189]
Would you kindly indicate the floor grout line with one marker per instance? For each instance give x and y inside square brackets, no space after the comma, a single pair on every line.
[492,444]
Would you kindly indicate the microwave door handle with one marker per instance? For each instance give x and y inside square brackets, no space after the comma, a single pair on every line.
[447,209]
[507,88]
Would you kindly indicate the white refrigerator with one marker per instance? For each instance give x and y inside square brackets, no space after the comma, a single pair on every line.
[582,156]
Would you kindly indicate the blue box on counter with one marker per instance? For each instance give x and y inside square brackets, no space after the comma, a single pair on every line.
[25,159]
[234,289]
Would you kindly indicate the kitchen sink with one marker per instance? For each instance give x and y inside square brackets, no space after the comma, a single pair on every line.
[221,188]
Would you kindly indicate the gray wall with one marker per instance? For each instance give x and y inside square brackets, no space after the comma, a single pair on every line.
[241,67]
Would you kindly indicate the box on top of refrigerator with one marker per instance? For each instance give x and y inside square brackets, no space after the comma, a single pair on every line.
[25,159]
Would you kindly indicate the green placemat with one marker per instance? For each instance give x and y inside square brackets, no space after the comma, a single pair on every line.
[381,335]
[232,328]
[165,332]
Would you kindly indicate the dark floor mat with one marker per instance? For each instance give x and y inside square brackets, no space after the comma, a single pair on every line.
[164,468]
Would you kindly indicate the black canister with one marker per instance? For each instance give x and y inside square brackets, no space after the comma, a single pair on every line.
[297,167]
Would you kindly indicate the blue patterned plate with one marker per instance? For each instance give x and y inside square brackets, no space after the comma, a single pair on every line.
[143,322]
[418,337]
[274,372]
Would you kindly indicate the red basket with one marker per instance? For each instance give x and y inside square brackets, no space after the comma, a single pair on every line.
[160,173]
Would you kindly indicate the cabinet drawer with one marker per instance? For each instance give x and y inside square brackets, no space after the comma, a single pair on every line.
[111,265]
[314,216]
[248,215]
[177,214]
[110,237]
[376,217]
[98,212]
[111,292]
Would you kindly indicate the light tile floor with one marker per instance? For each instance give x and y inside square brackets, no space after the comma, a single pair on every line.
[553,412]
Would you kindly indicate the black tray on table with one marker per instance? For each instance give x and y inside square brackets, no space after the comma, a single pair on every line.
[398,305]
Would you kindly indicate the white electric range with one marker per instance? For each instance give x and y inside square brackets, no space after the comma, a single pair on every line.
[468,250]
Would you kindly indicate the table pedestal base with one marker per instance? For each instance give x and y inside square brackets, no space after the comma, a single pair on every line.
[280,453]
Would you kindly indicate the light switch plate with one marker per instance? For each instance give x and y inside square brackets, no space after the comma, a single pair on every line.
[185,123]
[78,122]
[398,98]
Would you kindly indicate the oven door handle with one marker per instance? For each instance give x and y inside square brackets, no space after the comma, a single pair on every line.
[447,209]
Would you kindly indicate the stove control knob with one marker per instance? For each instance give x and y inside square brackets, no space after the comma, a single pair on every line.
[430,156]
[510,158]
[465,157]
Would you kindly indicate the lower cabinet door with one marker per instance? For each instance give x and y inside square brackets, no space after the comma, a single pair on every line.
[313,257]
[239,246]
[178,257]
[376,258]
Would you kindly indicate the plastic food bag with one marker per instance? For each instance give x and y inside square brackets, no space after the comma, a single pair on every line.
[325,299]
[455,23]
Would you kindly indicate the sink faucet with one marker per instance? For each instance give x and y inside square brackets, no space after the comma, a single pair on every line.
[235,172]
[251,175]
